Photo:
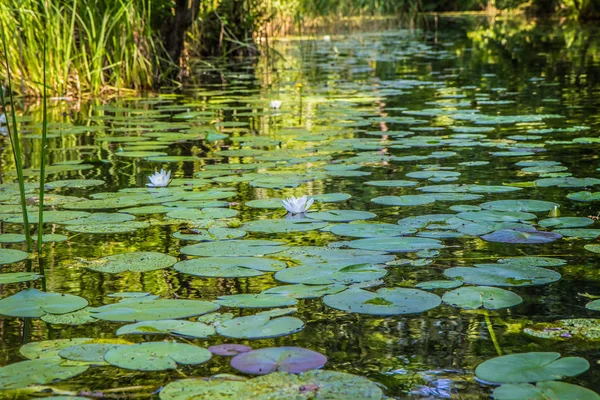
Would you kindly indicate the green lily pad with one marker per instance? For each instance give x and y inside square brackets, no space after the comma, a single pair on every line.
[386,301]
[370,230]
[16,277]
[530,367]
[523,236]
[503,275]
[20,238]
[584,196]
[92,353]
[549,390]
[331,273]
[101,218]
[392,183]
[331,197]
[268,324]
[264,203]
[442,284]
[235,248]
[401,201]
[34,303]
[136,310]
[566,222]
[37,372]
[519,205]
[156,356]
[168,327]
[139,261]
[9,256]
[205,213]
[74,183]
[579,233]
[396,244]
[210,234]
[229,267]
[283,225]
[74,318]
[301,291]
[474,297]
[593,305]
[255,301]
[340,215]
[123,227]
[50,348]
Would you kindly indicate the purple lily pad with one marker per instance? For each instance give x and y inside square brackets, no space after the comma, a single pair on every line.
[521,235]
[271,359]
[229,349]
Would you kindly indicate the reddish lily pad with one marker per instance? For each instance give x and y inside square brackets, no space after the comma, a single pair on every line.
[271,359]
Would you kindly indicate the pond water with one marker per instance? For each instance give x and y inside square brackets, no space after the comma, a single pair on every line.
[475,143]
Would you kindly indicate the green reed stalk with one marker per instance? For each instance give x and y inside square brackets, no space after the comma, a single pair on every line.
[13,134]
[43,157]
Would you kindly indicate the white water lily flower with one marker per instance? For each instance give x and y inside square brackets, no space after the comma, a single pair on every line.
[276,104]
[159,179]
[298,205]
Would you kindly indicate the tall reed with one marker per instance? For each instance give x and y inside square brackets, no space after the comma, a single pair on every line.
[40,241]
[13,133]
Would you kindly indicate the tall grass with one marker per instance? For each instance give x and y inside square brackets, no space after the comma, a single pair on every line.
[13,134]
[94,46]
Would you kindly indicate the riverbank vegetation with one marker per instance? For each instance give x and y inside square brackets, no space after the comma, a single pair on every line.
[97,47]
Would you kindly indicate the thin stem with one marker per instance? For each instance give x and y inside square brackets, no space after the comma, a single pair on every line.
[16,145]
[490,328]
[40,242]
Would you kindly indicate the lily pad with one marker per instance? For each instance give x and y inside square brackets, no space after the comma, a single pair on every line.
[283,225]
[549,390]
[140,261]
[229,267]
[168,327]
[37,372]
[519,205]
[386,301]
[284,359]
[255,300]
[340,215]
[210,234]
[576,328]
[530,367]
[156,356]
[396,244]
[408,200]
[16,277]
[302,291]
[331,273]
[474,297]
[522,236]
[229,349]
[268,324]
[370,230]
[503,275]
[34,303]
[9,256]
[235,248]
[442,284]
[136,310]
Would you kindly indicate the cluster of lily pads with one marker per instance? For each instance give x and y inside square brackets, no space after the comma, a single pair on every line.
[229,217]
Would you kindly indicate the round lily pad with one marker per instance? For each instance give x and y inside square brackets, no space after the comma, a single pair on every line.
[474,297]
[549,390]
[501,275]
[385,301]
[217,389]
[519,205]
[331,273]
[229,349]
[255,300]
[442,284]
[283,225]
[331,197]
[205,213]
[340,215]
[396,244]
[92,353]
[530,367]
[8,256]
[74,318]
[50,348]
[168,327]
[370,230]
[148,310]
[564,329]
[156,356]
[521,236]
[268,324]
[284,359]
[229,267]
[210,234]
[566,222]
[123,227]
[15,277]
[38,372]
[301,291]
[273,203]
[139,261]
[235,248]
[407,200]
[34,303]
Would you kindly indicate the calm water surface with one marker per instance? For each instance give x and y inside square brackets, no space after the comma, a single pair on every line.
[374,99]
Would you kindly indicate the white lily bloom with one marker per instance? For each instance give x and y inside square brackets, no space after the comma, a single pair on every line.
[298,205]
[276,104]
[327,38]
[159,179]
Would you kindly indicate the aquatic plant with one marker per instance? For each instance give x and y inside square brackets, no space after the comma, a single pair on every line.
[298,205]
[159,179]
[276,104]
